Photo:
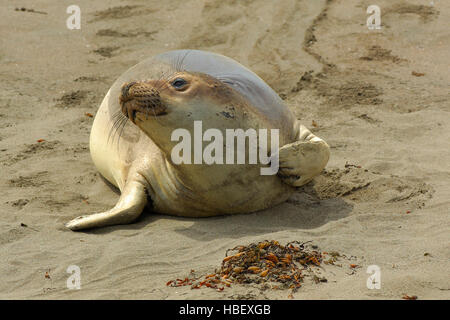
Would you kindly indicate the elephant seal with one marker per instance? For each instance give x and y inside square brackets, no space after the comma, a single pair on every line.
[131,141]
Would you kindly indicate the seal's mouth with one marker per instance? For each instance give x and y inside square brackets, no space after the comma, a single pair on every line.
[140,97]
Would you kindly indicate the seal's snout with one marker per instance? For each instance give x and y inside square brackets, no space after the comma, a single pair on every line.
[140,97]
[126,89]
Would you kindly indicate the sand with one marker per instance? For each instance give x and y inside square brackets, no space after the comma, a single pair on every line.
[380,98]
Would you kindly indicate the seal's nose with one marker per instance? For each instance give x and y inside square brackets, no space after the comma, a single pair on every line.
[126,90]
[140,97]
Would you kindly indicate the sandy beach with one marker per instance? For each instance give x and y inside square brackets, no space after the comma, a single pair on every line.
[380,98]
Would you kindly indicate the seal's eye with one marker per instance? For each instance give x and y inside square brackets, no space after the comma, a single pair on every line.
[179,83]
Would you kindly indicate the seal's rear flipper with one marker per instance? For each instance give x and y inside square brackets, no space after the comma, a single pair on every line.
[302,160]
[129,207]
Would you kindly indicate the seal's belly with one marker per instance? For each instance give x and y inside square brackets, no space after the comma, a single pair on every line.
[242,190]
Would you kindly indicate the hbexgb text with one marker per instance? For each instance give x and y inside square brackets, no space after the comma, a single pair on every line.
[236,309]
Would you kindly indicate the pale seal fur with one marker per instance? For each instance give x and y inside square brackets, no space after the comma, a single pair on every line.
[171,91]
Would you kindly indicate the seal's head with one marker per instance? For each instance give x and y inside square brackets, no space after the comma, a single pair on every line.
[159,106]
[173,95]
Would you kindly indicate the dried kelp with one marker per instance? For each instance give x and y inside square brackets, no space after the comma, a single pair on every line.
[266,262]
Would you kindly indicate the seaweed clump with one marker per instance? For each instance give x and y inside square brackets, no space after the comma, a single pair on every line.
[265,262]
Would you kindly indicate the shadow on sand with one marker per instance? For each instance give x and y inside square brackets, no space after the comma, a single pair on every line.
[302,211]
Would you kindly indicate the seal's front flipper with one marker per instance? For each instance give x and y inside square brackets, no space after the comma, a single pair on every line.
[302,160]
[131,203]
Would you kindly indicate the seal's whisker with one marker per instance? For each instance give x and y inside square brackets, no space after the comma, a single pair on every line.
[123,125]
[163,76]
[119,126]
[162,86]
[154,113]
[152,109]
[179,62]
[182,60]
[158,81]
[115,118]
[161,90]
[159,85]
[118,118]
[113,130]
[175,63]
